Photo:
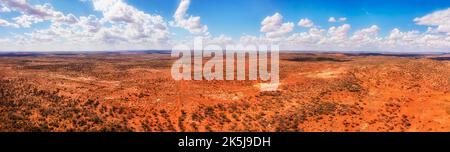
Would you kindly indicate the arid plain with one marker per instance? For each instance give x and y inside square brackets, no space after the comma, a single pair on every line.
[134,91]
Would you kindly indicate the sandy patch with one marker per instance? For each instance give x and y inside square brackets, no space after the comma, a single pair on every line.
[326,74]
[268,86]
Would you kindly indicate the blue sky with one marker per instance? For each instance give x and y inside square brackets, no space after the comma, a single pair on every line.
[244,16]
[235,18]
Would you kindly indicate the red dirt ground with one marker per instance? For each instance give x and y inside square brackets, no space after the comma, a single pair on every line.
[135,92]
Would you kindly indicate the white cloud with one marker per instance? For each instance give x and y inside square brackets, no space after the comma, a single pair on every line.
[439,19]
[90,23]
[333,19]
[37,13]
[273,26]
[4,9]
[250,39]
[129,23]
[120,27]
[192,24]
[3,22]
[27,20]
[370,32]
[366,38]
[339,38]
[7,23]
[334,36]
[220,40]
[308,39]
[305,23]
[340,31]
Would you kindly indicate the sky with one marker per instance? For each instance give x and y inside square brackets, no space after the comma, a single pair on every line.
[311,25]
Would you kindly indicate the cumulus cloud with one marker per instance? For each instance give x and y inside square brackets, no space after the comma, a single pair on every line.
[27,20]
[365,39]
[90,23]
[333,19]
[306,40]
[438,19]
[4,9]
[192,23]
[339,38]
[335,37]
[339,32]
[305,23]
[273,26]
[37,13]
[121,26]
[129,23]
[7,23]
[220,40]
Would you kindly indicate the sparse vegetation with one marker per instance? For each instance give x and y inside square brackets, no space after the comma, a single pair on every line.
[320,92]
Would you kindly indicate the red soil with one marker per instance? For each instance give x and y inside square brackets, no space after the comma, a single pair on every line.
[318,92]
